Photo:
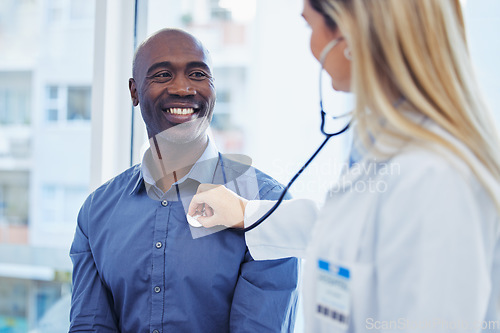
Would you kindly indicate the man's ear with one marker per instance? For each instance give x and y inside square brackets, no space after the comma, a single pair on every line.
[133,91]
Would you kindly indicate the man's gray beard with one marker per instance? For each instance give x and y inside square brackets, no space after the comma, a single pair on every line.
[184,133]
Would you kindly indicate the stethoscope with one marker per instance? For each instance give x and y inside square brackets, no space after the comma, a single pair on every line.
[327,135]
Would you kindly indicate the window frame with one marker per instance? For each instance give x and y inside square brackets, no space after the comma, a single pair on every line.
[117,129]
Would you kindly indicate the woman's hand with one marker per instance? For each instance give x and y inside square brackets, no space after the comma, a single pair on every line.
[216,205]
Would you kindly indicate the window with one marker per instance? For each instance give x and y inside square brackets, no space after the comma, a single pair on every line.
[14,203]
[68,103]
[51,201]
[18,299]
[15,98]
[55,11]
[45,78]
[52,103]
[60,12]
[219,13]
[47,294]
[14,301]
[81,10]
[53,92]
[61,203]
[16,101]
[78,103]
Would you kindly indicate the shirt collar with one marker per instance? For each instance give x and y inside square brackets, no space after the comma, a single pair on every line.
[202,171]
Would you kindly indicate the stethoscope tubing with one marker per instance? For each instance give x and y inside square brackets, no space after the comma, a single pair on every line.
[285,190]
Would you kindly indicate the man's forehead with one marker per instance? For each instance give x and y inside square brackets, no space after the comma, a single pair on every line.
[171,43]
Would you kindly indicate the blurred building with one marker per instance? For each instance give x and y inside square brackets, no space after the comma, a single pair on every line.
[45,92]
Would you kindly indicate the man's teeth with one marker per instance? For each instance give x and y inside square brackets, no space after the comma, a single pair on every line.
[181,110]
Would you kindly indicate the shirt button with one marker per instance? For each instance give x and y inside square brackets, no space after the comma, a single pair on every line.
[156,331]
[157,289]
[164,203]
[158,245]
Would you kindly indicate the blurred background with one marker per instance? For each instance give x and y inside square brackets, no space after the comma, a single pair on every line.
[67,123]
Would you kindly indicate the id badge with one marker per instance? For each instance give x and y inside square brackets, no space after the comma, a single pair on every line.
[332,294]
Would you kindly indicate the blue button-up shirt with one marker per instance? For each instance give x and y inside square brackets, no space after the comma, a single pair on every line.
[140,267]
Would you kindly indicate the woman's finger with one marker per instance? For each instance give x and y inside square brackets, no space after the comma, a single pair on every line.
[208,221]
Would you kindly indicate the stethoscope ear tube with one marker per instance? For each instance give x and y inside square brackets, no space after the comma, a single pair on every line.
[285,190]
[323,55]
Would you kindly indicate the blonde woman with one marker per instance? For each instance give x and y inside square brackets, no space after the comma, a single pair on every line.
[409,239]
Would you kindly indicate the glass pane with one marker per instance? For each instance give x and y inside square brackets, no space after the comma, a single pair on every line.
[42,53]
[74,198]
[53,92]
[4,101]
[47,295]
[54,10]
[219,13]
[50,203]
[15,97]
[79,103]
[81,10]
[13,305]
[52,115]
[23,114]
[13,201]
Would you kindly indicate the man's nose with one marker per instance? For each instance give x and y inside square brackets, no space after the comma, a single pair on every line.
[181,87]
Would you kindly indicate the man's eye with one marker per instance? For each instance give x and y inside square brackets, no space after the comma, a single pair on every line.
[199,75]
[163,75]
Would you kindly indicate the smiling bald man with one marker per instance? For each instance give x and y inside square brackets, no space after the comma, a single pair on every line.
[138,265]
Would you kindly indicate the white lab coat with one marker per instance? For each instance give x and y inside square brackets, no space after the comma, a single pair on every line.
[423,249]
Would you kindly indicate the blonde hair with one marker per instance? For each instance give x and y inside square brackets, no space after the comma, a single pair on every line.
[417,49]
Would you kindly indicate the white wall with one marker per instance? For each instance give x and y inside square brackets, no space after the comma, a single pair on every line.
[482,20]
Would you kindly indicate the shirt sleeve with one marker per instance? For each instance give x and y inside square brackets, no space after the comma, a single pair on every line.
[434,254]
[91,309]
[285,233]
